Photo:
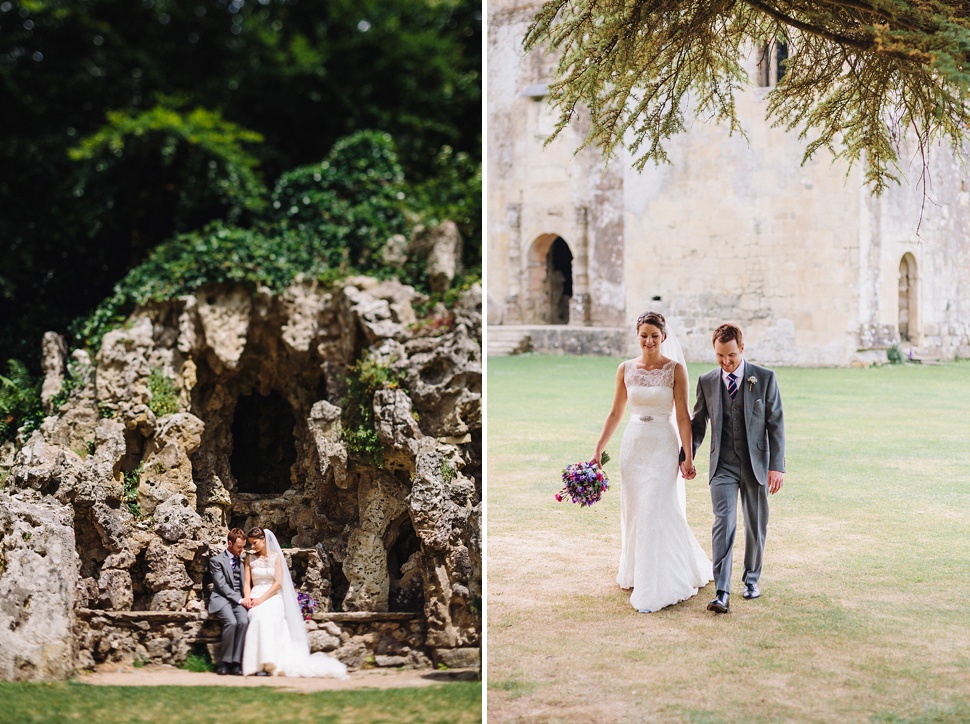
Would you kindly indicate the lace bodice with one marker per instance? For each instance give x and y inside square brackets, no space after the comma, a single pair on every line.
[649,392]
[635,376]
[263,570]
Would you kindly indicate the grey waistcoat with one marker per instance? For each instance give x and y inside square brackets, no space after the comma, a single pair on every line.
[734,434]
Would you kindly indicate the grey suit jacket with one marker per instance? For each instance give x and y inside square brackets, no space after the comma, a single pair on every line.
[223,590]
[763,419]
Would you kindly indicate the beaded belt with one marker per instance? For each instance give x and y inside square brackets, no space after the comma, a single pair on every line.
[644,418]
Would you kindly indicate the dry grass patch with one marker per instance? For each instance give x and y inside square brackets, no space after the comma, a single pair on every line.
[866,578]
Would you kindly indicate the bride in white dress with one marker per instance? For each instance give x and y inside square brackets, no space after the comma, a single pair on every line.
[660,558]
[276,640]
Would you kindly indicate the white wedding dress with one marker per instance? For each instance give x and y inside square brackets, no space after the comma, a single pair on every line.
[660,558]
[274,643]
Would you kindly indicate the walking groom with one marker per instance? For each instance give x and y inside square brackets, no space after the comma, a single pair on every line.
[747,456]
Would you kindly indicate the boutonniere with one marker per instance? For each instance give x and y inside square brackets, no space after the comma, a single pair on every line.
[752,381]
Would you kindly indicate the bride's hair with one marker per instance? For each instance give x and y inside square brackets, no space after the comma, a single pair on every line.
[256,533]
[655,319]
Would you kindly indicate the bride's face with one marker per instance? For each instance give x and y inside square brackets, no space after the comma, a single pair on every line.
[258,545]
[649,337]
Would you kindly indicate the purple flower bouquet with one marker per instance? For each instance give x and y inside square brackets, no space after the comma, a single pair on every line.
[308,604]
[583,483]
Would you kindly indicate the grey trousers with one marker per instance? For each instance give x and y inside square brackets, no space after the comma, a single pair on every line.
[235,621]
[728,482]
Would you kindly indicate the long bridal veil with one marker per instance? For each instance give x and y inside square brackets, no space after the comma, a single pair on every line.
[300,662]
[671,349]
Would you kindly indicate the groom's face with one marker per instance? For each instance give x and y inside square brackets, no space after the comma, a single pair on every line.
[236,546]
[728,354]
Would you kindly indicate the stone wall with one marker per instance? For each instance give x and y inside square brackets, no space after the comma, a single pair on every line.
[733,229]
[251,433]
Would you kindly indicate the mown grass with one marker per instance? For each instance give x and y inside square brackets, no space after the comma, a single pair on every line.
[64,702]
[867,568]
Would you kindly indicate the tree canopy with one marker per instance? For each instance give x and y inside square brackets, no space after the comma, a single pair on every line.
[860,75]
[126,123]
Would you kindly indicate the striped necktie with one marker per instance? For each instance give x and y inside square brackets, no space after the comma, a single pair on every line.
[732,385]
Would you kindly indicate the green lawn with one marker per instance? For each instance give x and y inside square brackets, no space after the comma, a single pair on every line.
[43,703]
[865,612]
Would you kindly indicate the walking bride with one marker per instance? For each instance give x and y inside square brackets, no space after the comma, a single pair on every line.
[276,640]
[660,558]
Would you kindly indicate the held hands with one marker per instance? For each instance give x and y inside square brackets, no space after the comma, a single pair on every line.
[688,470]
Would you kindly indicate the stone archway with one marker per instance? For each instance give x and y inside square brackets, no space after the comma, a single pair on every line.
[908,298]
[263,449]
[549,281]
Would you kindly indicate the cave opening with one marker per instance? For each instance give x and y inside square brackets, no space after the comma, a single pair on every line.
[406,588]
[263,445]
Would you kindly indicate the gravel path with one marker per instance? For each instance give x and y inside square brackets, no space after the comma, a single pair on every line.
[366,679]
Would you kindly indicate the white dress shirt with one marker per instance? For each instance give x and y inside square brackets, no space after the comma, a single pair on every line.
[738,376]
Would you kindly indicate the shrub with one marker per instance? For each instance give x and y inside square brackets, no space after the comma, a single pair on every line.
[348,205]
[364,380]
[132,480]
[165,399]
[217,254]
[194,163]
[20,405]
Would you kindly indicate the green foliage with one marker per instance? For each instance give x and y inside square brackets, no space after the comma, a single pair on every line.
[448,472]
[132,479]
[364,379]
[196,160]
[350,204]
[300,74]
[19,401]
[454,191]
[165,399]
[861,75]
[328,220]
[458,702]
[894,355]
[198,662]
[217,254]
[434,311]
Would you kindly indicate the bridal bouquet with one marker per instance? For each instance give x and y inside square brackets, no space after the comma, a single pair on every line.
[308,604]
[584,483]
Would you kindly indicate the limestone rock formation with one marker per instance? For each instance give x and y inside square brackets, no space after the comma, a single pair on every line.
[227,408]
[39,575]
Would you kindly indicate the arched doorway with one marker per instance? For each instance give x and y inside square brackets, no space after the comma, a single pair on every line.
[549,283]
[559,272]
[908,310]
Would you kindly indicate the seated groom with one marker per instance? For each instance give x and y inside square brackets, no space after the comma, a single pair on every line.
[226,602]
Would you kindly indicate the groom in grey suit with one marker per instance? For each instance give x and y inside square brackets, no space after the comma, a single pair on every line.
[747,456]
[227,602]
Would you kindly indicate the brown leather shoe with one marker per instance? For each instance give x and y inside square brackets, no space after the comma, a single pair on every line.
[721,603]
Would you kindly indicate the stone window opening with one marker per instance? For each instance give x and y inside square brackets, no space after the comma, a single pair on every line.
[263,444]
[908,309]
[771,63]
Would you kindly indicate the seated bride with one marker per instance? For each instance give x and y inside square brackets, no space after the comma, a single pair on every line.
[276,640]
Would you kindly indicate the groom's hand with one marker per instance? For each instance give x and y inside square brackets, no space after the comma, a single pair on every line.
[775,481]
